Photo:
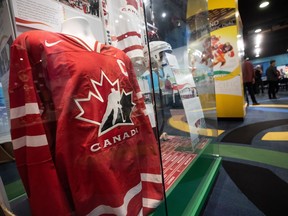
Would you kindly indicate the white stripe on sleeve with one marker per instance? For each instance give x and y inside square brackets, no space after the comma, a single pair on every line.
[29,141]
[151,178]
[28,108]
[150,203]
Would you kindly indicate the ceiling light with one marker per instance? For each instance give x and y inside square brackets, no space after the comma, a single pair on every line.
[258,39]
[264,4]
[164,15]
[258,30]
[257,51]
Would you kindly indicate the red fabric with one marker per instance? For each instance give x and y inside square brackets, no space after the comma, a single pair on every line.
[72,160]
[248,72]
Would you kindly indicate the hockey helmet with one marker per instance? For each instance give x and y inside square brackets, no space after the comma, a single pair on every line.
[157,50]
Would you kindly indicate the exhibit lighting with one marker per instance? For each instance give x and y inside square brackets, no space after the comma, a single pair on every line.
[264,4]
[258,30]
[257,44]
[257,51]
[240,45]
[258,39]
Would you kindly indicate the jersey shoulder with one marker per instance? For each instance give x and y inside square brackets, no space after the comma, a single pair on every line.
[36,35]
[112,51]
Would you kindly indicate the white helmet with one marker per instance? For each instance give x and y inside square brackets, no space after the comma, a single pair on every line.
[157,48]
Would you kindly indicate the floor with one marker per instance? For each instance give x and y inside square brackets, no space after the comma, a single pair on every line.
[271,154]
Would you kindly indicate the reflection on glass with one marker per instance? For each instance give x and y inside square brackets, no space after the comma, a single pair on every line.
[182,82]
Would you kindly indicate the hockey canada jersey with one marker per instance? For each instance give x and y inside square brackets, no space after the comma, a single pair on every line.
[83,144]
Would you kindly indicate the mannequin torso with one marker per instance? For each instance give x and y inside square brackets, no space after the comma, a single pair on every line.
[80,28]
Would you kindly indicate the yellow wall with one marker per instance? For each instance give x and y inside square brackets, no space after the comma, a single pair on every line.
[228,78]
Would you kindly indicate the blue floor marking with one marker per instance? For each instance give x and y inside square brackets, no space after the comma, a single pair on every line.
[281,110]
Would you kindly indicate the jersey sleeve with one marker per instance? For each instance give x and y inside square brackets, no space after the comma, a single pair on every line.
[149,153]
[30,141]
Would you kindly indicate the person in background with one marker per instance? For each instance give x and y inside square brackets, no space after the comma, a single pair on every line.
[258,80]
[248,81]
[272,78]
[282,73]
[278,81]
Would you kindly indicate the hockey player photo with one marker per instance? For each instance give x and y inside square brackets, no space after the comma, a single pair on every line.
[85,6]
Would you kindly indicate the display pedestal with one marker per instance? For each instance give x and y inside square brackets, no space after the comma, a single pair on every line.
[189,193]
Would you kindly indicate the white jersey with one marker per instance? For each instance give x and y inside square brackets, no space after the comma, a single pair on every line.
[124,24]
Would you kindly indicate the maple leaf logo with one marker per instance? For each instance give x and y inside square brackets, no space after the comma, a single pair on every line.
[106,105]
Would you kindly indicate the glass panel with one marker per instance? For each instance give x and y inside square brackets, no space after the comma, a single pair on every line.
[183,85]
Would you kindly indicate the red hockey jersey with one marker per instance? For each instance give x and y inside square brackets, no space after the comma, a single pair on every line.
[83,144]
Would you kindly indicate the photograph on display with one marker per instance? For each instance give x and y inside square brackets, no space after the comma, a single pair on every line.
[45,15]
[85,6]
[223,43]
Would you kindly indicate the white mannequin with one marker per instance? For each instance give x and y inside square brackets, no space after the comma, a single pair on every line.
[79,27]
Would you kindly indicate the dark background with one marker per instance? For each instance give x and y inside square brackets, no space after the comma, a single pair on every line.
[273,21]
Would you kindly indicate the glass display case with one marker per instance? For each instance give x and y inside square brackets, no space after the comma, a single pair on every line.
[183,82]
[117,112]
